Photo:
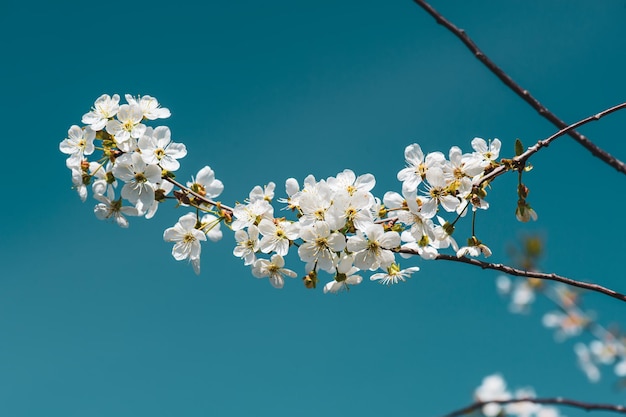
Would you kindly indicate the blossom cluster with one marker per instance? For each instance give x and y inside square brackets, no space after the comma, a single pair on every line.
[131,152]
[493,388]
[337,225]
[138,159]
[341,228]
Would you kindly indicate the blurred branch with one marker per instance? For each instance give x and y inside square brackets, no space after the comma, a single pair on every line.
[524,94]
[552,401]
[528,274]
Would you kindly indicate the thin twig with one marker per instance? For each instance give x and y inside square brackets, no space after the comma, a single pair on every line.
[208,201]
[553,401]
[524,94]
[546,142]
[523,273]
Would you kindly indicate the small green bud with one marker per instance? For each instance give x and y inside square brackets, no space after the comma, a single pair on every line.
[519,148]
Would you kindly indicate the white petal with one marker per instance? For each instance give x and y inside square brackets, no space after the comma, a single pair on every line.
[479,145]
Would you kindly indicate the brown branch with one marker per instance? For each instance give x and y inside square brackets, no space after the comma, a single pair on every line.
[553,401]
[208,201]
[523,273]
[522,158]
[524,94]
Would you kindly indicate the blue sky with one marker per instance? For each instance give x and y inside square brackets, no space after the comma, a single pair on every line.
[100,321]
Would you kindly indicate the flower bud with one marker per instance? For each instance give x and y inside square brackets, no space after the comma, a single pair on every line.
[310,280]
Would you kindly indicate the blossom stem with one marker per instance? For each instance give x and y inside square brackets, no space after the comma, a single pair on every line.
[458,216]
[523,93]
[473,222]
[620,409]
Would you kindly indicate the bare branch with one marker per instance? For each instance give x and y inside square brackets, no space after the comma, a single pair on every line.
[523,273]
[524,94]
[546,142]
[620,409]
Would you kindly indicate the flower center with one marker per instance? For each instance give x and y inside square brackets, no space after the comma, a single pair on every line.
[436,193]
[373,246]
[321,243]
[128,125]
[189,238]
[273,269]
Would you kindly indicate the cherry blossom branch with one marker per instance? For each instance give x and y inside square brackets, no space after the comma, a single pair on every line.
[620,409]
[522,158]
[523,273]
[524,94]
[225,208]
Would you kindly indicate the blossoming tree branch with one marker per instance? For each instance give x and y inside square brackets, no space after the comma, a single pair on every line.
[337,227]
[340,231]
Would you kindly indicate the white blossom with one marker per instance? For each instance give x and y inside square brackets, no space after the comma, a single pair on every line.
[187,240]
[273,269]
[150,108]
[320,246]
[157,148]
[262,193]
[205,183]
[127,128]
[248,214]
[372,247]
[489,153]
[78,143]
[345,276]
[140,179]
[109,208]
[247,244]
[492,388]
[586,362]
[105,108]
[277,235]
[394,274]
[418,165]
